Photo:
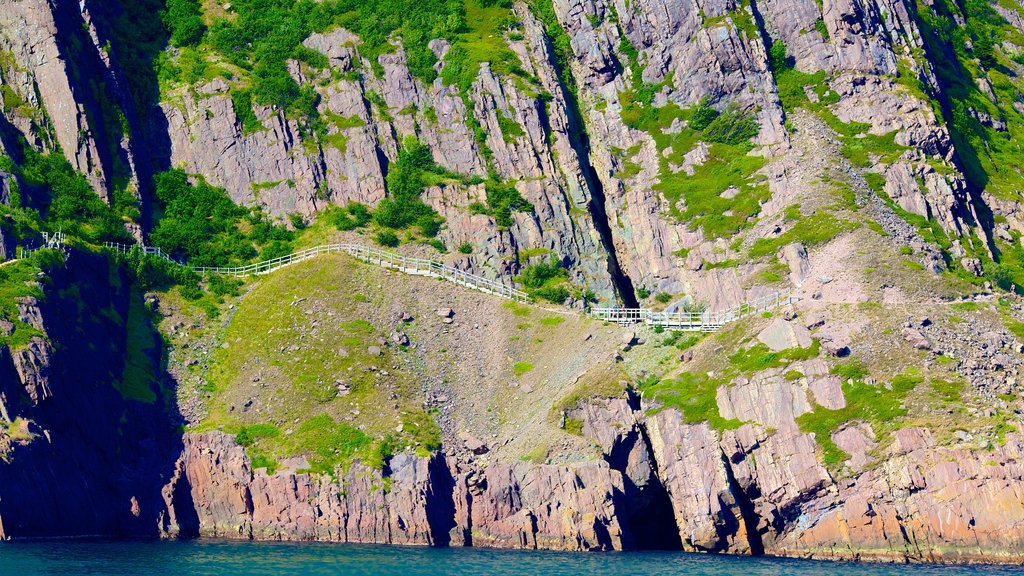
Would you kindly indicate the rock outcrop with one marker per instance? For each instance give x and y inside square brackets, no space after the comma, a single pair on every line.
[78,457]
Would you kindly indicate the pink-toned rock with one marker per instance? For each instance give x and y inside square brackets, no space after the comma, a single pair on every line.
[857,441]
[828,392]
[782,335]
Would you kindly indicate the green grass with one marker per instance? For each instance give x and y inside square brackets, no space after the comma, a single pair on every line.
[950,391]
[850,370]
[697,199]
[694,395]
[522,367]
[521,310]
[813,230]
[141,344]
[573,426]
[760,357]
[271,340]
[880,406]
[18,280]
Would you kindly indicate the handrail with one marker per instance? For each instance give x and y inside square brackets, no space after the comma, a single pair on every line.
[706,321]
[369,254]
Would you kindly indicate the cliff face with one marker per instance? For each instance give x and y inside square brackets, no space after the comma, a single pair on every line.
[742,492]
[872,168]
[83,452]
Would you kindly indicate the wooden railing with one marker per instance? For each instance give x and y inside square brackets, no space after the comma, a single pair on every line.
[706,321]
[407,264]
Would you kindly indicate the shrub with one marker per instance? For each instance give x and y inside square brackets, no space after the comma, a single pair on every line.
[555,294]
[184,20]
[702,115]
[466,248]
[663,297]
[536,275]
[502,200]
[732,127]
[386,238]
[403,207]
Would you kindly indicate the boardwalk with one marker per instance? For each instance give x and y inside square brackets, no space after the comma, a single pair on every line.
[707,321]
[684,321]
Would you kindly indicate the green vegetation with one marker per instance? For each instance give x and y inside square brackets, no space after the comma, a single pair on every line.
[520,368]
[18,280]
[699,199]
[695,395]
[573,426]
[465,248]
[316,419]
[350,217]
[547,280]
[683,340]
[386,238]
[502,200]
[881,406]
[184,21]
[813,230]
[142,343]
[408,177]
[64,198]
[201,224]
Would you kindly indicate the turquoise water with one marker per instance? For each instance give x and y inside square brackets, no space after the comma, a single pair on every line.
[226,559]
[198,558]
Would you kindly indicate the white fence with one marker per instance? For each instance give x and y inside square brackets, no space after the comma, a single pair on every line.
[684,321]
[693,321]
[407,264]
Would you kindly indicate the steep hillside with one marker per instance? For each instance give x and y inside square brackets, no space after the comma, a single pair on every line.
[863,156]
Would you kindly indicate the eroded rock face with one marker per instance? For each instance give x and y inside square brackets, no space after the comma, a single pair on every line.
[77,457]
[215,492]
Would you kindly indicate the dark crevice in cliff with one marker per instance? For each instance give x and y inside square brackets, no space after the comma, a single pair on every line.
[649,513]
[111,447]
[748,514]
[580,142]
[440,501]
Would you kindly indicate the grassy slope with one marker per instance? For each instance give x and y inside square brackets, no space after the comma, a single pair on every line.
[498,370]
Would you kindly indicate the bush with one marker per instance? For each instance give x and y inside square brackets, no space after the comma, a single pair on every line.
[502,200]
[353,215]
[184,20]
[732,127]
[535,276]
[466,248]
[663,297]
[702,115]
[555,294]
[202,225]
[386,238]
[67,200]
[406,181]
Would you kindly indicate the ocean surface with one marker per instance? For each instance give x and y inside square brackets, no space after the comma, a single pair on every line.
[198,558]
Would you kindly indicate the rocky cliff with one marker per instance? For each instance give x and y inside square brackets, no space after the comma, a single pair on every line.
[680,155]
[88,428]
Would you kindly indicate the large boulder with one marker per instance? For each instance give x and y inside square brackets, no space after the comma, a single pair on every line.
[783,334]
